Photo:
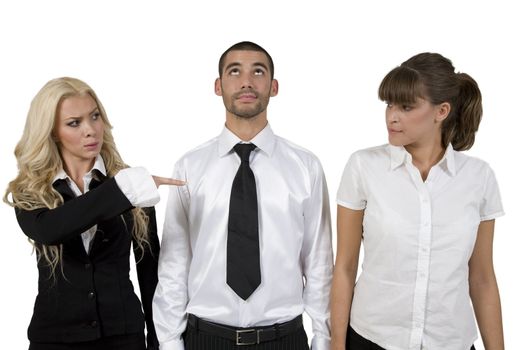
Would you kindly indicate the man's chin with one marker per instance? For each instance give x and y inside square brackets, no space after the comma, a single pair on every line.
[246,116]
[246,113]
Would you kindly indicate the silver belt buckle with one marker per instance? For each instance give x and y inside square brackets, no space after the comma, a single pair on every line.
[239,333]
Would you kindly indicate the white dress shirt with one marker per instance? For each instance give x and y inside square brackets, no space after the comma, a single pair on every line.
[413,291]
[294,238]
[136,184]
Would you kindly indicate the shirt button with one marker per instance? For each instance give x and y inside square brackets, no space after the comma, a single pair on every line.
[94,323]
[91,295]
[87,266]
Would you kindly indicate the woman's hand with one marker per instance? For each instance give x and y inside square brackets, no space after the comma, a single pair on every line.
[167,181]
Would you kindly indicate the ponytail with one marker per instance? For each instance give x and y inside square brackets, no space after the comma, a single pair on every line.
[461,126]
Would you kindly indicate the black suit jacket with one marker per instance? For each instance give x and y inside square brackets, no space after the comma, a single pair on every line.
[91,296]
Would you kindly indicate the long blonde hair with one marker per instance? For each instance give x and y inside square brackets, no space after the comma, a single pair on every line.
[38,159]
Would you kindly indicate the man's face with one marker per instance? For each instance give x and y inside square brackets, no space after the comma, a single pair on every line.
[246,84]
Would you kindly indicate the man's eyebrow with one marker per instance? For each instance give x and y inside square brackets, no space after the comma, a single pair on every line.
[261,64]
[233,64]
[236,64]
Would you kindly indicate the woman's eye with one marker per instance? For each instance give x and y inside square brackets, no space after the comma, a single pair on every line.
[73,123]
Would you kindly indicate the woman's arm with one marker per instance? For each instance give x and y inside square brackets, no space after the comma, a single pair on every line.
[131,187]
[147,263]
[349,233]
[58,225]
[484,288]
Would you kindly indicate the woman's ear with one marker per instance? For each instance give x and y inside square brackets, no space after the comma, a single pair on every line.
[443,110]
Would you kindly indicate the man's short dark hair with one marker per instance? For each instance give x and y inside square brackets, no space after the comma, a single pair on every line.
[246,46]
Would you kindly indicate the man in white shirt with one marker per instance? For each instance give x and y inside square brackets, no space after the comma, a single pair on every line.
[228,281]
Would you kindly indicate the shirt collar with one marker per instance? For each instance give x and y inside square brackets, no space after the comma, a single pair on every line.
[264,140]
[448,160]
[99,166]
[400,156]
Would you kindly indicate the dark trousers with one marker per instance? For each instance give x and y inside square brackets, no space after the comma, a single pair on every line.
[199,340]
[116,342]
[356,342]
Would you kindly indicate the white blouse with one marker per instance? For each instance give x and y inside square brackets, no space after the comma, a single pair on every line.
[418,236]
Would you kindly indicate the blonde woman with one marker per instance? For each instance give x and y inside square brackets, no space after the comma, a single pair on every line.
[82,208]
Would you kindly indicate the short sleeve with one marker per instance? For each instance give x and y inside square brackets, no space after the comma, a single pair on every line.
[351,193]
[491,206]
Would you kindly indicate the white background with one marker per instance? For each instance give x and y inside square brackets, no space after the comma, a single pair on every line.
[153,65]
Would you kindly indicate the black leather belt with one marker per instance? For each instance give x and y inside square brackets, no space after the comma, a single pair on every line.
[246,336]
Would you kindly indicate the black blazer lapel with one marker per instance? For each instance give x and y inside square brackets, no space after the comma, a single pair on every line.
[63,188]
[76,245]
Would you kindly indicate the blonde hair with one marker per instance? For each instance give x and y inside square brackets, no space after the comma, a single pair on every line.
[38,159]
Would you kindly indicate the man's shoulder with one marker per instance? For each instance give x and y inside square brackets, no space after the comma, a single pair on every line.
[294,150]
[202,150]
[291,146]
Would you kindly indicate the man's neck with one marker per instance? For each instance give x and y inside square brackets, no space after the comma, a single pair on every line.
[244,128]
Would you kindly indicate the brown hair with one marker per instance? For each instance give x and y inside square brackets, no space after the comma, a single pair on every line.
[432,77]
[246,46]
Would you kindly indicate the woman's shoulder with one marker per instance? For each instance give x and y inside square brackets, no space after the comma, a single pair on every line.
[370,154]
[470,162]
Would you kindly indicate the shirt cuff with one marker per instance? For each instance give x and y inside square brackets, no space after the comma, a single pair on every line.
[138,186]
[176,344]
[351,205]
[492,216]
[320,343]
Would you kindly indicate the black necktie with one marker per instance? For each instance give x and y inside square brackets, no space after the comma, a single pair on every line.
[243,273]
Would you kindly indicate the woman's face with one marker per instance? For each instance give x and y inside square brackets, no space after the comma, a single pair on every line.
[79,130]
[414,124]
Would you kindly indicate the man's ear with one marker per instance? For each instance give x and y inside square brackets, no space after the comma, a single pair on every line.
[218,89]
[275,88]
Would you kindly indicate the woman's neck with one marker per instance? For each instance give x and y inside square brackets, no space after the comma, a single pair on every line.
[76,171]
[425,156]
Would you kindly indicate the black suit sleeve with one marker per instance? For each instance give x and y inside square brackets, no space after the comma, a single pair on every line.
[147,262]
[58,225]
